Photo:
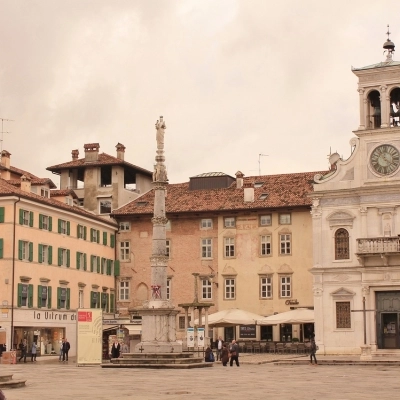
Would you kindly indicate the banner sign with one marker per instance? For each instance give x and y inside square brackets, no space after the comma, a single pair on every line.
[247,331]
[200,337]
[190,337]
[89,336]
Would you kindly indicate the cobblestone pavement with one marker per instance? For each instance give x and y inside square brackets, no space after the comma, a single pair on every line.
[256,378]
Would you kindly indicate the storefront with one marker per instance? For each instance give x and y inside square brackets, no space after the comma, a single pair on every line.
[388,319]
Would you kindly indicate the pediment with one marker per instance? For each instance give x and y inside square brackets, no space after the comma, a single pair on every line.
[265,232]
[265,270]
[285,269]
[340,218]
[285,230]
[343,292]
[228,270]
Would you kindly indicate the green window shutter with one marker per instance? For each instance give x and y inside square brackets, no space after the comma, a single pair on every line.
[31,219]
[92,263]
[40,221]
[68,228]
[20,244]
[78,260]
[105,238]
[68,299]
[58,297]
[84,262]
[112,308]
[1,247]
[59,257]
[50,223]
[77,230]
[19,294]
[2,214]
[91,234]
[92,299]
[21,216]
[68,258]
[49,297]
[108,303]
[50,255]
[112,240]
[40,251]
[116,268]
[98,236]
[30,251]
[30,296]
[59,225]
[84,232]
[108,267]
[39,297]
[98,264]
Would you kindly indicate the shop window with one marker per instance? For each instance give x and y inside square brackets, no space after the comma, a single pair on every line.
[81,232]
[229,290]
[25,250]
[63,298]
[25,217]
[266,287]
[94,235]
[64,227]
[45,222]
[44,296]
[342,246]
[45,254]
[63,257]
[266,332]
[25,295]
[343,315]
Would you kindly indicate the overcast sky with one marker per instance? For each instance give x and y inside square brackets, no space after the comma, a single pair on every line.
[232,78]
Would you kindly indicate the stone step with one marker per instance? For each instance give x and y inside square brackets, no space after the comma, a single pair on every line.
[159,355]
[155,361]
[4,377]
[159,366]
[372,362]
[12,384]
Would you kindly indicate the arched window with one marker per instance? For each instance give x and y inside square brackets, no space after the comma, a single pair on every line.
[342,248]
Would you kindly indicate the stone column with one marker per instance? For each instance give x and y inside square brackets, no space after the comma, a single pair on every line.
[384,107]
[362,110]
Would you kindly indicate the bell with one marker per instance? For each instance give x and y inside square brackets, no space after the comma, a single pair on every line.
[377,112]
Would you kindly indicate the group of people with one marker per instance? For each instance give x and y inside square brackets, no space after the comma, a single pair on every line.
[225,353]
[23,347]
[64,349]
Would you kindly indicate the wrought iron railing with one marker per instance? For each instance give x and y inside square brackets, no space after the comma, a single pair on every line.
[378,245]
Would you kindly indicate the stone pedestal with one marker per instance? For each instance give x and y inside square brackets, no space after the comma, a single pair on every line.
[365,353]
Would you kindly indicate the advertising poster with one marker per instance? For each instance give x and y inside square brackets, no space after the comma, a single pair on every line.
[200,337]
[190,337]
[89,336]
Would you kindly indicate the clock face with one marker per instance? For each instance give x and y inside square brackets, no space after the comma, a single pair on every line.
[385,159]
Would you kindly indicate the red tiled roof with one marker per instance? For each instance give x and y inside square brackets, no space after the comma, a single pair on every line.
[19,171]
[63,192]
[104,159]
[6,189]
[287,190]
[34,182]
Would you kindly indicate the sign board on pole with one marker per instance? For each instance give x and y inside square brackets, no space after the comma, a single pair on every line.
[89,336]
[190,337]
[200,337]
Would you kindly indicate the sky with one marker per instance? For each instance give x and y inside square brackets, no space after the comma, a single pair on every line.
[258,86]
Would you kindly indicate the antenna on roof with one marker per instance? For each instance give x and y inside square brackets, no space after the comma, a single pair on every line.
[2,134]
[259,162]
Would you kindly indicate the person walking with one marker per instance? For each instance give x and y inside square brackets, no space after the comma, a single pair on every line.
[224,355]
[115,349]
[23,347]
[219,348]
[234,351]
[61,350]
[33,352]
[66,348]
[313,349]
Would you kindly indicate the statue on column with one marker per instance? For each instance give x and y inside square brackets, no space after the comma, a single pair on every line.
[160,127]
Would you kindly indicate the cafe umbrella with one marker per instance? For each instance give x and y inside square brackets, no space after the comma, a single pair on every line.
[297,316]
[231,317]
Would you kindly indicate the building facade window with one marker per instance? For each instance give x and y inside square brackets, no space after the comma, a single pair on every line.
[45,192]
[168,289]
[63,257]
[105,206]
[181,323]
[81,232]
[206,289]
[124,250]
[285,286]
[206,223]
[80,299]
[25,250]
[285,219]
[266,220]
[45,222]
[206,248]
[94,235]
[124,290]
[63,227]
[124,226]
[44,296]
[168,248]
[25,217]
[63,298]
[94,299]
[343,315]
[45,254]
[229,222]
[229,247]
[266,287]
[265,242]
[342,244]
[285,243]
[25,295]
[229,289]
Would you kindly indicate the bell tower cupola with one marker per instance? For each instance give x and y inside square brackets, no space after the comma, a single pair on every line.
[379,91]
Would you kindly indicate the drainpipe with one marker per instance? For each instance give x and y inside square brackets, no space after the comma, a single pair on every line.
[13,275]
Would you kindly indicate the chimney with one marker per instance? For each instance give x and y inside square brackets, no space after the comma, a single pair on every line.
[5,159]
[248,192]
[75,154]
[120,151]
[91,152]
[239,179]
[25,183]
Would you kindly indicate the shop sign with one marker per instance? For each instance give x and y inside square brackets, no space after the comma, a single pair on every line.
[50,315]
[247,331]
[291,302]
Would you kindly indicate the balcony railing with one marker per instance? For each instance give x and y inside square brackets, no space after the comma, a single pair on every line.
[381,245]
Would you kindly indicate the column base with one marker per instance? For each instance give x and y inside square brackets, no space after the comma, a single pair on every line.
[365,353]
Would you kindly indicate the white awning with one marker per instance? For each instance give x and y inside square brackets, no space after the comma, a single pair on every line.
[109,328]
[134,329]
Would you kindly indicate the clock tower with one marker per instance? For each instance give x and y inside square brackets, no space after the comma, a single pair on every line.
[356,225]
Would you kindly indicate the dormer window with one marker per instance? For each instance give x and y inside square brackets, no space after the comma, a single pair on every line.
[45,192]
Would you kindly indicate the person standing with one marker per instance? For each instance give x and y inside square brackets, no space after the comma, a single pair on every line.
[61,350]
[66,348]
[313,349]
[23,347]
[224,355]
[115,349]
[234,351]
[33,352]
[219,348]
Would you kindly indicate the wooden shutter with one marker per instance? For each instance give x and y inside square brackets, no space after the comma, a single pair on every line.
[2,214]
[39,297]
[21,216]
[20,244]
[68,228]
[68,258]
[112,241]
[40,221]
[1,248]
[50,255]
[112,301]
[49,297]
[58,297]
[59,225]
[78,260]
[59,257]
[19,294]
[30,296]
[40,251]
[50,223]
[68,299]
[30,218]
[84,232]
[30,246]
[98,264]
[105,238]
[84,262]
[116,268]
[98,236]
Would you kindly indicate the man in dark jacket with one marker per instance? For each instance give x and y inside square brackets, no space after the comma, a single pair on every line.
[115,349]
[234,352]
[65,349]
[23,347]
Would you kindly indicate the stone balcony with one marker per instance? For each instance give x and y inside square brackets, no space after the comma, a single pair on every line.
[383,247]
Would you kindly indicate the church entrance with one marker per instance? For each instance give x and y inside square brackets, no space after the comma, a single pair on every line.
[388,319]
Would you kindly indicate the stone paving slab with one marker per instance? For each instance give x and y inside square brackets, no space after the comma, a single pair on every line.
[253,380]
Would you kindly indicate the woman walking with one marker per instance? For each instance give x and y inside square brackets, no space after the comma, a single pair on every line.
[33,352]
[313,349]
